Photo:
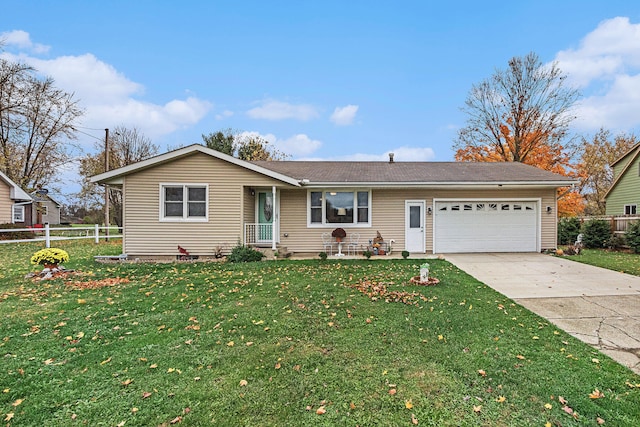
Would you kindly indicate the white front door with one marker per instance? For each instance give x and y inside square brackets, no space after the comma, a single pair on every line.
[414,226]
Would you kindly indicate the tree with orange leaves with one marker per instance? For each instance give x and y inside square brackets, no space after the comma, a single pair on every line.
[522,114]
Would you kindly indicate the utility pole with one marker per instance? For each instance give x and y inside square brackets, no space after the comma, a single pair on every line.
[106,187]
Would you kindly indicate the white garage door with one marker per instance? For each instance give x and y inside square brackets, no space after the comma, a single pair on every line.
[485,226]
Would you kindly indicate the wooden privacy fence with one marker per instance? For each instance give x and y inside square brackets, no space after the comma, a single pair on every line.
[47,233]
[619,224]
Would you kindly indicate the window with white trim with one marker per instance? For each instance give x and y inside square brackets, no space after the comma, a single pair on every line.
[18,213]
[339,207]
[630,209]
[184,202]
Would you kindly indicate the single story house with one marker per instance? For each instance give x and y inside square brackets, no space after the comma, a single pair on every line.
[623,198]
[44,208]
[201,199]
[13,202]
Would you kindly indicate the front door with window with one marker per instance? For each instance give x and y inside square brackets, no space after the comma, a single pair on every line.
[267,212]
[414,226]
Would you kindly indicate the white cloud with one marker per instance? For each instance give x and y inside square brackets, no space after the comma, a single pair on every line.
[22,40]
[344,116]
[606,66]
[294,146]
[224,115]
[108,96]
[278,110]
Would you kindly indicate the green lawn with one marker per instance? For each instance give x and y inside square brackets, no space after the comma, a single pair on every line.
[625,262]
[287,343]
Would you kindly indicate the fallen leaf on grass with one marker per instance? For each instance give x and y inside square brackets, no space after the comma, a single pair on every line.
[567,409]
[104,362]
[521,357]
[321,410]
[600,421]
[393,391]
[146,394]
[17,402]
[562,400]
[596,394]
[482,372]
[547,406]
[9,416]
[408,404]
[176,420]
[352,406]
[477,409]
[501,399]
[243,383]
[414,420]
[126,382]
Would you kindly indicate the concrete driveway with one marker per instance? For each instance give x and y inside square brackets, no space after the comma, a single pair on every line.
[598,306]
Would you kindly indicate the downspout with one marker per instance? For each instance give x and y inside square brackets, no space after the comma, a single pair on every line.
[276,217]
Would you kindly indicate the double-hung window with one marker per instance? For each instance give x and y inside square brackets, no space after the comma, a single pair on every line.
[630,209]
[184,202]
[18,213]
[339,207]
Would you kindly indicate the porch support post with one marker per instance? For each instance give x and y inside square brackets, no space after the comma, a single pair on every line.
[276,217]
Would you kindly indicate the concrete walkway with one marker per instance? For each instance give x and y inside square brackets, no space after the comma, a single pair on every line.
[598,306]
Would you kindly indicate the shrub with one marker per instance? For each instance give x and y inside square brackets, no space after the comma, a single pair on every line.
[405,254]
[367,254]
[568,230]
[595,233]
[633,236]
[323,256]
[243,253]
[15,235]
[51,256]
[616,242]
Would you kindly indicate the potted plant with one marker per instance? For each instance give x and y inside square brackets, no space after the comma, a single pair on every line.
[339,234]
[50,257]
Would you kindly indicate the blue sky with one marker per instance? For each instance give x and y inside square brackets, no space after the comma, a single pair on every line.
[320,79]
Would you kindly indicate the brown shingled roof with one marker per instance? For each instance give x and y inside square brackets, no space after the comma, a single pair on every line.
[413,172]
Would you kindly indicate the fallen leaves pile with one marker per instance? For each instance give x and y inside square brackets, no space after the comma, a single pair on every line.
[97,284]
[379,291]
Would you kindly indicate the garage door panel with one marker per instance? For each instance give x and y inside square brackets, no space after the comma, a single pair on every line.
[486,226]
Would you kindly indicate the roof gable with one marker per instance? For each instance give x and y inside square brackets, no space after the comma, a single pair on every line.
[16,193]
[628,166]
[115,176]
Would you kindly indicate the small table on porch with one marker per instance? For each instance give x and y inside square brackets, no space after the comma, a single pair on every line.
[340,248]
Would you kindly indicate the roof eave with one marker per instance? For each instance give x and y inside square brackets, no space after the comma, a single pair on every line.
[549,184]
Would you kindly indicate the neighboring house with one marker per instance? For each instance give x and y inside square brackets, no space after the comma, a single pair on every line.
[623,198]
[199,199]
[14,202]
[44,209]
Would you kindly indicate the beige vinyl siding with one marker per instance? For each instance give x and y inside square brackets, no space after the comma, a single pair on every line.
[388,215]
[5,203]
[627,189]
[228,183]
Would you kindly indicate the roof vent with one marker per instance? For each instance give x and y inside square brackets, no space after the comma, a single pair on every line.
[390,157]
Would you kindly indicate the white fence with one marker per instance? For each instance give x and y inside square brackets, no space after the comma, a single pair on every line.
[47,233]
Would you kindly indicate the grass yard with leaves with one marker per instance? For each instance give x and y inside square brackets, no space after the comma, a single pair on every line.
[287,343]
[625,262]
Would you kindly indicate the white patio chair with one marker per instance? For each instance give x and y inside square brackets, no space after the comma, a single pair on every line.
[327,243]
[354,241]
